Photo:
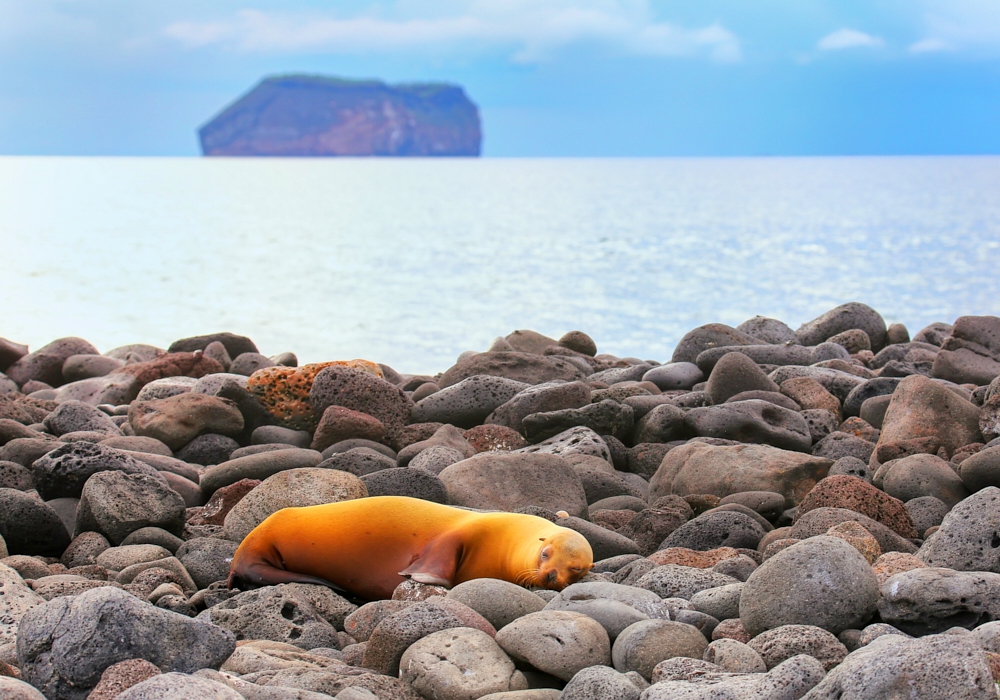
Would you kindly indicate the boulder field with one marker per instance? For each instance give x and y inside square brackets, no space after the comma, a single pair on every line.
[775,514]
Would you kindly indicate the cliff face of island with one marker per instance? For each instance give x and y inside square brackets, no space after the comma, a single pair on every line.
[300,115]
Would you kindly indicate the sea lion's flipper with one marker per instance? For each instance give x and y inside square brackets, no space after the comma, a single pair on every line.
[263,574]
[437,564]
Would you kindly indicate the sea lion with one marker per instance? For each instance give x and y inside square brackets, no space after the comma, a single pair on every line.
[368,546]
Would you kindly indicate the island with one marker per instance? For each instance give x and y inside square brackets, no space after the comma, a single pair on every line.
[306,115]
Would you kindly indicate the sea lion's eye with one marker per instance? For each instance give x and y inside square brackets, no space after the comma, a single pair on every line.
[545,555]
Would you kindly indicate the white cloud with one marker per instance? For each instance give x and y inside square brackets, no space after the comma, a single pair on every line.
[529,30]
[963,24]
[930,45]
[848,39]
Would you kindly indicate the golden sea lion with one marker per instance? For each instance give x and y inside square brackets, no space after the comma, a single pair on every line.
[368,546]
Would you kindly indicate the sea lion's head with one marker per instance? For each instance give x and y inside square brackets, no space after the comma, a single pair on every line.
[563,558]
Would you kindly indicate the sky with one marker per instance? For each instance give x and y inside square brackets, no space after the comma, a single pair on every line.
[551,77]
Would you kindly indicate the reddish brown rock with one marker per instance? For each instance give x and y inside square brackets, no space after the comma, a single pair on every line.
[808,393]
[121,676]
[177,420]
[25,410]
[222,501]
[892,563]
[689,557]
[855,534]
[284,391]
[339,423]
[843,491]
[778,545]
[175,364]
[731,629]
[494,438]
[924,416]
[651,526]
[360,390]
[414,433]
[7,670]
[612,519]
[859,428]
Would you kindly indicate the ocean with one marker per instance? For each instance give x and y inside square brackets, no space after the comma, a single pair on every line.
[413,261]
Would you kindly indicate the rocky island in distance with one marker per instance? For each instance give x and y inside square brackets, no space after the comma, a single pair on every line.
[307,115]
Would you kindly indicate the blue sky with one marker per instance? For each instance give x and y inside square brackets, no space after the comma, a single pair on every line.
[552,77]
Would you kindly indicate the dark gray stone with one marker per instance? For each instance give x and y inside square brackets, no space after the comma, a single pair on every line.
[29,526]
[75,416]
[551,396]
[62,472]
[926,512]
[207,559]
[467,403]
[674,375]
[235,345]
[844,318]
[359,461]
[716,529]
[837,445]
[663,423]
[605,543]
[880,386]
[968,538]
[752,422]
[65,645]
[116,504]
[406,481]
[604,418]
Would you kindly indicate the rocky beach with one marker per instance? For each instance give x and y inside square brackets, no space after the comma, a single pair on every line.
[775,514]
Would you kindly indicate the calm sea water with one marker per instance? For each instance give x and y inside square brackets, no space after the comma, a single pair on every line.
[410,262]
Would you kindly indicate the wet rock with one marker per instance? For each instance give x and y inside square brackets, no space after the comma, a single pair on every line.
[455,664]
[514,480]
[644,644]
[556,642]
[29,526]
[782,643]
[752,421]
[116,504]
[822,581]
[290,489]
[62,472]
[177,420]
[699,468]
[716,529]
[923,417]
[923,475]
[468,402]
[66,644]
[257,466]
[844,318]
[302,615]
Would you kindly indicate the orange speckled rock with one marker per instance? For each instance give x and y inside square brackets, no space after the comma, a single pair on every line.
[892,563]
[731,629]
[284,391]
[855,534]
[993,661]
[690,557]
[494,438]
[859,428]
[173,364]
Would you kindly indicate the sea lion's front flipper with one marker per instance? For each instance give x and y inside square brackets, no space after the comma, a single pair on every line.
[437,564]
